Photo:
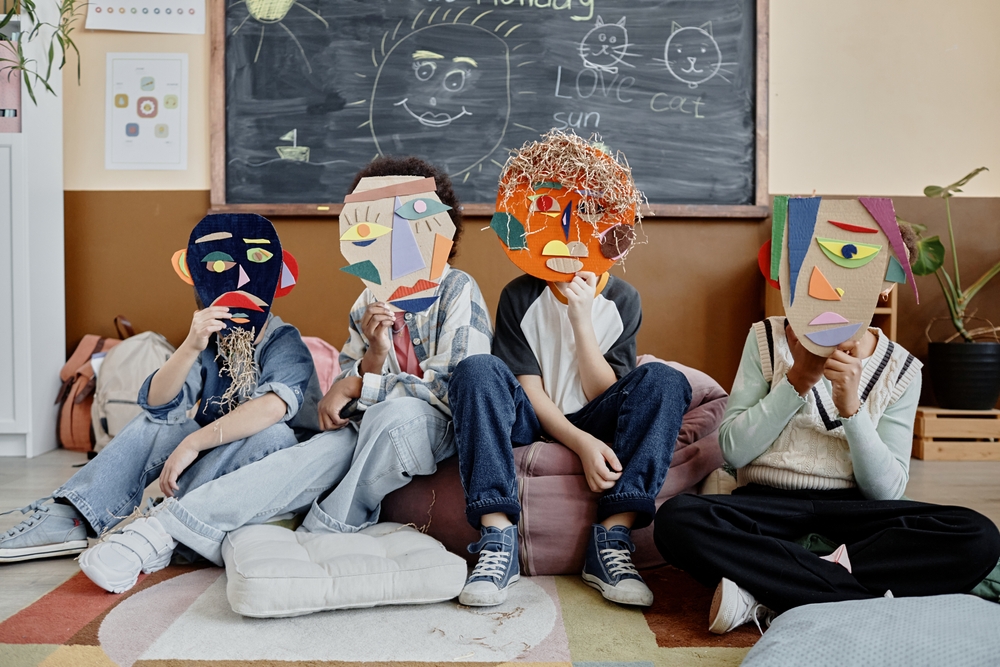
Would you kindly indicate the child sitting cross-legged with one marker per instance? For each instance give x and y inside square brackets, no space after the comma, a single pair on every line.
[564,366]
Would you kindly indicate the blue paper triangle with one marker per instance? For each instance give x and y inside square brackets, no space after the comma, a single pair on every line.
[895,273]
[415,305]
[801,223]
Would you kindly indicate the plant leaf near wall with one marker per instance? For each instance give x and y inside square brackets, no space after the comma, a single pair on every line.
[59,41]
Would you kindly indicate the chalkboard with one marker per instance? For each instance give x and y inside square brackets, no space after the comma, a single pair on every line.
[313,89]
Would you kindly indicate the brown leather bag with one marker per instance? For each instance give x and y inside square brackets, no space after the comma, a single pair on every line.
[73,427]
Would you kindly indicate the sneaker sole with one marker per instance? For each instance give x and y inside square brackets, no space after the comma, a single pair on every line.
[717,624]
[44,551]
[501,594]
[611,593]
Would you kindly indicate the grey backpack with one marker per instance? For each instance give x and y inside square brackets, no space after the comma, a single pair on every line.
[124,369]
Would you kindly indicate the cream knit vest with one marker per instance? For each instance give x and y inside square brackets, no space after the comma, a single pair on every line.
[812,451]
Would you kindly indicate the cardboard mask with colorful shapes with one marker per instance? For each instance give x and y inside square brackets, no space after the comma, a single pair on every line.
[397,236]
[236,260]
[565,205]
[831,258]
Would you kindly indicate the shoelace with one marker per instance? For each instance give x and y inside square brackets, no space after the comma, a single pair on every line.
[35,507]
[618,561]
[760,610]
[491,564]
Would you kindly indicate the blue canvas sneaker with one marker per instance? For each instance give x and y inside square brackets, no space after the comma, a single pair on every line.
[52,529]
[496,570]
[608,567]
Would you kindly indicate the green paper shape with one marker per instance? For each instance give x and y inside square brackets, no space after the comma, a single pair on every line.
[510,230]
[778,218]
[843,261]
[895,273]
[364,270]
[546,184]
[432,207]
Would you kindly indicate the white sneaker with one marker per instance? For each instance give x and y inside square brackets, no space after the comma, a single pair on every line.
[114,563]
[733,606]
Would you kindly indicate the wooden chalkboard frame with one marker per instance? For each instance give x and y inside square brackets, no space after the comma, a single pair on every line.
[217,128]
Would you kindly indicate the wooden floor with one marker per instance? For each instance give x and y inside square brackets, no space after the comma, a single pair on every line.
[970,484]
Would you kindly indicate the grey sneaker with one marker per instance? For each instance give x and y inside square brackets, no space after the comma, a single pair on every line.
[52,529]
[733,606]
[496,570]
[115,562]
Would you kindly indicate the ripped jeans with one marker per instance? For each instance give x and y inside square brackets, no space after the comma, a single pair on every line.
[359,465]
[110,487]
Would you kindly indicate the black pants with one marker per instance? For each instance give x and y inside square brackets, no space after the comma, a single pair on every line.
[750,537]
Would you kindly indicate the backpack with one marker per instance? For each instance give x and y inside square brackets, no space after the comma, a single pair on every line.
[77,394]
[125,368]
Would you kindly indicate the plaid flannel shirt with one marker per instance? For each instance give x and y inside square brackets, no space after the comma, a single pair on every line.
[455,327]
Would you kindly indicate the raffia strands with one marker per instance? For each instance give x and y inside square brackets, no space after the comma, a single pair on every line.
[564,157]
[236,351]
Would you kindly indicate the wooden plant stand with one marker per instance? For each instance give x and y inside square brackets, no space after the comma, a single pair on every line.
[956,435]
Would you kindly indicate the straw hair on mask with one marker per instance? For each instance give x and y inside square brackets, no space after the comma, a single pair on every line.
[236,351]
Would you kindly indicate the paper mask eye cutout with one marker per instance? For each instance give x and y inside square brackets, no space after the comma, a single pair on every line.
[421,208]
[258,255]
[179,262]
[364,232]
[544,204]
[850,255]
[590,210]
[217,262]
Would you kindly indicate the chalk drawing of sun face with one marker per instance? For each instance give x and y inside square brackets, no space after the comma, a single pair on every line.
[442,91]
[606,46]
[691,54]
[266,12]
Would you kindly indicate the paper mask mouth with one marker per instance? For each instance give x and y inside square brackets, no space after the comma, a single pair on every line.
[834,337]
[241,299]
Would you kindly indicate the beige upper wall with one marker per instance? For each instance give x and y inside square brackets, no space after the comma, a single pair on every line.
[867,97]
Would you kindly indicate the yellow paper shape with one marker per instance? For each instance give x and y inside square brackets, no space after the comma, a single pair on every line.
[555,249]
[820,288]
[442,247]
[840,291]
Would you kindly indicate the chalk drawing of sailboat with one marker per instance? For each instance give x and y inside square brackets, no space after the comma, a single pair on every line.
[294,152]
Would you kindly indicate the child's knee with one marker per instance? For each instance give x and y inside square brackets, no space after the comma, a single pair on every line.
[666,381]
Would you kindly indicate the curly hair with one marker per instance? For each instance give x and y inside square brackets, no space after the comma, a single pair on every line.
[388,165]
[909,240]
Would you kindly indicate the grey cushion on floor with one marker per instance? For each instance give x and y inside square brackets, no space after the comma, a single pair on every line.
[953,630]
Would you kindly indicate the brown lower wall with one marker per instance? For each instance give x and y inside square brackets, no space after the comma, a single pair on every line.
[698,279]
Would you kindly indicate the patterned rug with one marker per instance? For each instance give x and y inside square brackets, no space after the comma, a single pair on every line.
[180,616]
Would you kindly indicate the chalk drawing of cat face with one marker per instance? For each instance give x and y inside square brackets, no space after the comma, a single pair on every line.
[605,46]
[692,54]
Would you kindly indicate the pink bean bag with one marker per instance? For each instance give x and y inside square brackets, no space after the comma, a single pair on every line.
[557,507]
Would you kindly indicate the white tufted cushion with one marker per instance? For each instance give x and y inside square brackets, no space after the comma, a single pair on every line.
[952,630]
[274,572]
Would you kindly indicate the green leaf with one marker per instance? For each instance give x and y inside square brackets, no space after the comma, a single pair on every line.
[947,191]
[930,256]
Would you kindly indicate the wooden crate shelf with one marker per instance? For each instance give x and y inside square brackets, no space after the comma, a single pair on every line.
[956,435]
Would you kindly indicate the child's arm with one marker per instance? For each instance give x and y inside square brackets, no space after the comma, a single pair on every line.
[246,420]
[596,374]
[756,414]
[880,456]
[594,454]
[169,380]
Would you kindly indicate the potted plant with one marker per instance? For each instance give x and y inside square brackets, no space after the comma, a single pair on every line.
[965,367]
[24,23]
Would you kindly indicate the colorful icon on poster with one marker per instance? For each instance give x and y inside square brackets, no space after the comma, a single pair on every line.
[162,131]
[146,107]
[147,83]
[170,102]
[132,130]
[121,100]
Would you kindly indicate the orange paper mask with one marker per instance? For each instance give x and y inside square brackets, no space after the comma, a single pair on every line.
[565,205]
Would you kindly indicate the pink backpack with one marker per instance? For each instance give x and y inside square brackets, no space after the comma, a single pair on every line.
[326,358]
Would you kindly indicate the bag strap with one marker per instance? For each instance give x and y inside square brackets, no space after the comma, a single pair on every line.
[124,327]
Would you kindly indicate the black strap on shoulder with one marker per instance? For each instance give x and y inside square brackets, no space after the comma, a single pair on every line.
[878,371]
[770,343]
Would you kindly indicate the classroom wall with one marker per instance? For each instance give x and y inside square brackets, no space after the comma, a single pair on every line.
[866,98]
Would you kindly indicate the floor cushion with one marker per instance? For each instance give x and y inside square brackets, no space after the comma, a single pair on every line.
[953,630]
[273,572]
[557,506]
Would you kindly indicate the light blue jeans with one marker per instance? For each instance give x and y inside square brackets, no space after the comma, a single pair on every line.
[358,464]
[110,487]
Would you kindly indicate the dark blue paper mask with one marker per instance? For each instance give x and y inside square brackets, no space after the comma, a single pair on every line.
[235,260]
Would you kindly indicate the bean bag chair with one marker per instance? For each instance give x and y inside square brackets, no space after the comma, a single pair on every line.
[557,507]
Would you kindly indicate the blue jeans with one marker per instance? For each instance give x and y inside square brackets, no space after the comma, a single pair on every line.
[110,487]
[639,417]
[358,465]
